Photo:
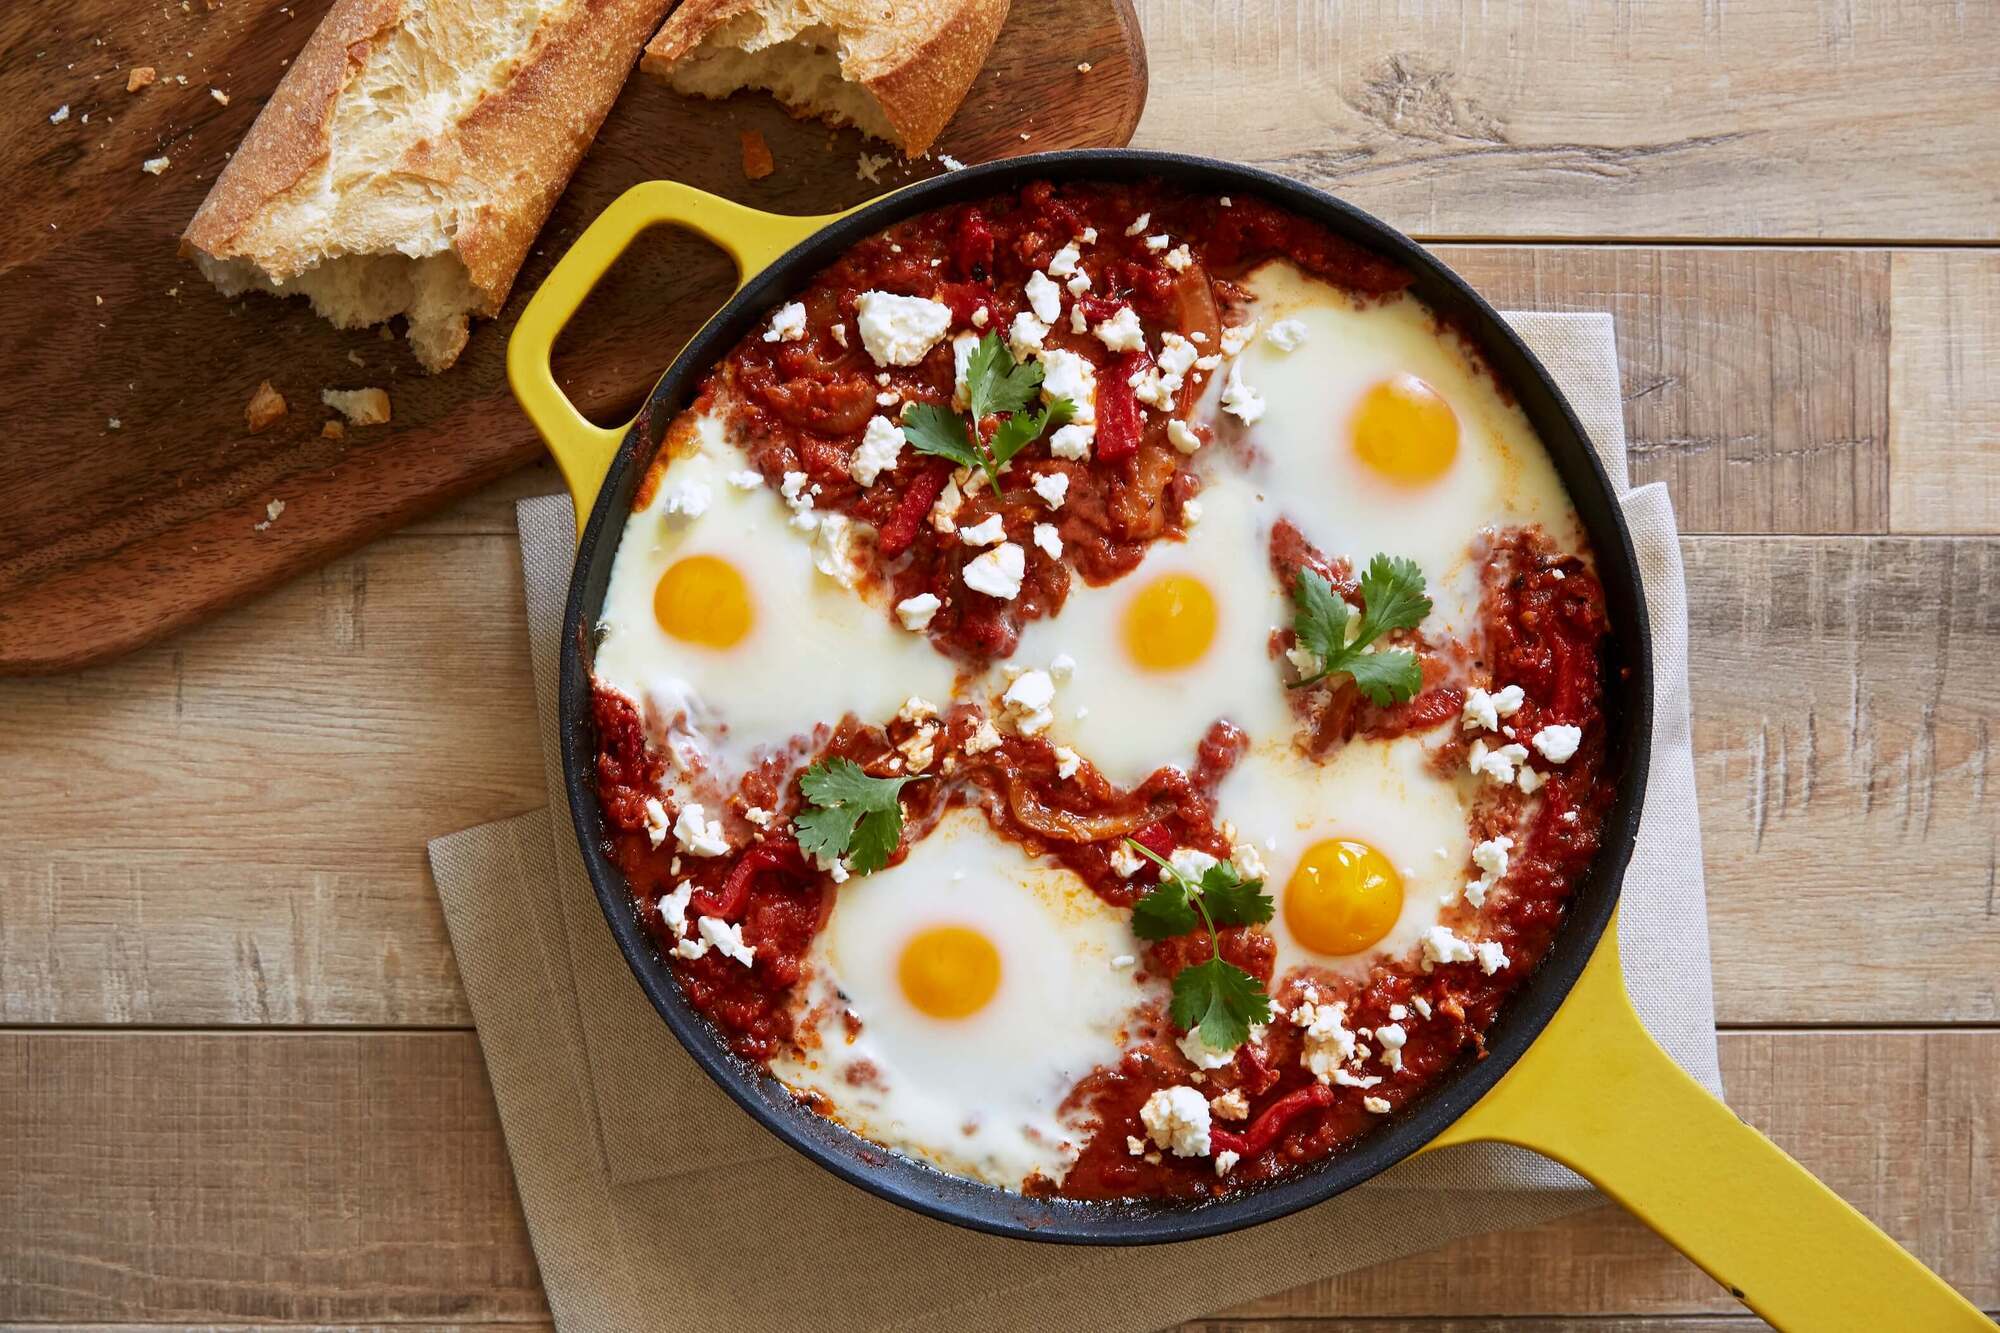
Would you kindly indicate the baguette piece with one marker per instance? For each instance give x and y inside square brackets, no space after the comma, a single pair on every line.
[896,71]
[411,153]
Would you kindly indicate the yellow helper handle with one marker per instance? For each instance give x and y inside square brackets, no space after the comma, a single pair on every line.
[749,236]
[1596,1093]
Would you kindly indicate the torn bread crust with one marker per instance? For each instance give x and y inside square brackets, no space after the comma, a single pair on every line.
[411,153]
[894,72]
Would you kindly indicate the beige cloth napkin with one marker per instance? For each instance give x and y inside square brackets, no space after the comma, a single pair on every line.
[654,1202]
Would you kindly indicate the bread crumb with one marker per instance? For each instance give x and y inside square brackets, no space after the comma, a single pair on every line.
[951,163]
[59,115]
[271,512]
[757,160]
[155,166]
[333,430]
[1083,68]
[139,77]
[868,167]
[363,407]
[219,95]
[266,406]
[112,423]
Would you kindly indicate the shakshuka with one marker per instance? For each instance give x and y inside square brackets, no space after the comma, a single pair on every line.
[1100,692]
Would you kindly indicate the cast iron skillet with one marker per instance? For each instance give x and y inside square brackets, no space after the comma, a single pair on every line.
[1628,711]
[1594,1092]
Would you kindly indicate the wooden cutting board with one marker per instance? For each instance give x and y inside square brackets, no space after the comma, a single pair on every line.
[131,493]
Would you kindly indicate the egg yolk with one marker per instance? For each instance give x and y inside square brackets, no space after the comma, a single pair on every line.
[949,971]
[1406,431]
[1343,897]
[1170,623]
[702,599]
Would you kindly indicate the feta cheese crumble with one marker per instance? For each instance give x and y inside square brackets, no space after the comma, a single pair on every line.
[788,325]
[1053,487]
[1231,1105]
[900,330]
[1027,701]
[1558,743]
[1483,711]
[1139,224]
[1122,332]
[1496,764]
[1201,1055]
[726,937]
[987,531]
[1044,298]
[1065,374]
[1491,857]
[1072,442]
[697,835]
[1177,1119]
[1068,761]
[1328,1042]
[997,572]
[1239,399]
[1492,957]
[1182,437]
[881,444]
[1441,946]
[688,498]
[1048,541]
[916,612]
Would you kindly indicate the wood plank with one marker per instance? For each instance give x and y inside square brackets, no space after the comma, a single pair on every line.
[361,1177]
[390,700]
[1857,119]
[1756,380]
[1497,1324]
[1944,379]
[1844,727]
[248,845]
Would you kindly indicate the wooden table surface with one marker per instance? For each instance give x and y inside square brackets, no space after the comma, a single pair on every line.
[238,1083]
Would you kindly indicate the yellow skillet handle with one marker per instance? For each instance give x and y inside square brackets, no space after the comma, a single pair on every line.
[1597,1094]
[750,237]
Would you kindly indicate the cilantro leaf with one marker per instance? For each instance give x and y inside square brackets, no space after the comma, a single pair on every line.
[1389,676]
[1164,912]
[931,429]
[824,832]
[1319,617]
[1392,596]
[995,382]
[1024,428]
[1219,1000]
[1232,900]
[997,386]
[855,815]
[1392,590]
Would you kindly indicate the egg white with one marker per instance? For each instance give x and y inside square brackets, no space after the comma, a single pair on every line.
[816,650]
[1380,793]
[1135,720]
[979,1096]
[1304,465]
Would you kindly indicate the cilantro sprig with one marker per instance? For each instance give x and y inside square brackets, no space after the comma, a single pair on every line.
[1392,598]
[851,815]
[996,385]
[1216,998]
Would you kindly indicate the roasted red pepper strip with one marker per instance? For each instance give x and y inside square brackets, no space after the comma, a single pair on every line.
[1264,1130]
[1119,421]
[911,509]
[1155,838]
[773,854]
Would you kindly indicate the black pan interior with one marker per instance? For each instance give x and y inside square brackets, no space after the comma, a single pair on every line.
[982,1207]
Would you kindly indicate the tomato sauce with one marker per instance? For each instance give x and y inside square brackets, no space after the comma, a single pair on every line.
[802,406]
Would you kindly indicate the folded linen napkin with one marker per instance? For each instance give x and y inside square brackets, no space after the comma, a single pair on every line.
[653,1201]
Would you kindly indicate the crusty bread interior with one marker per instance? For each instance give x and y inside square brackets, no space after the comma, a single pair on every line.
[411,153]
[353,291]
[802,69]
[895,69]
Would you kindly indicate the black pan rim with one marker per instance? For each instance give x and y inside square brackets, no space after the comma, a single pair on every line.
[931,1192]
